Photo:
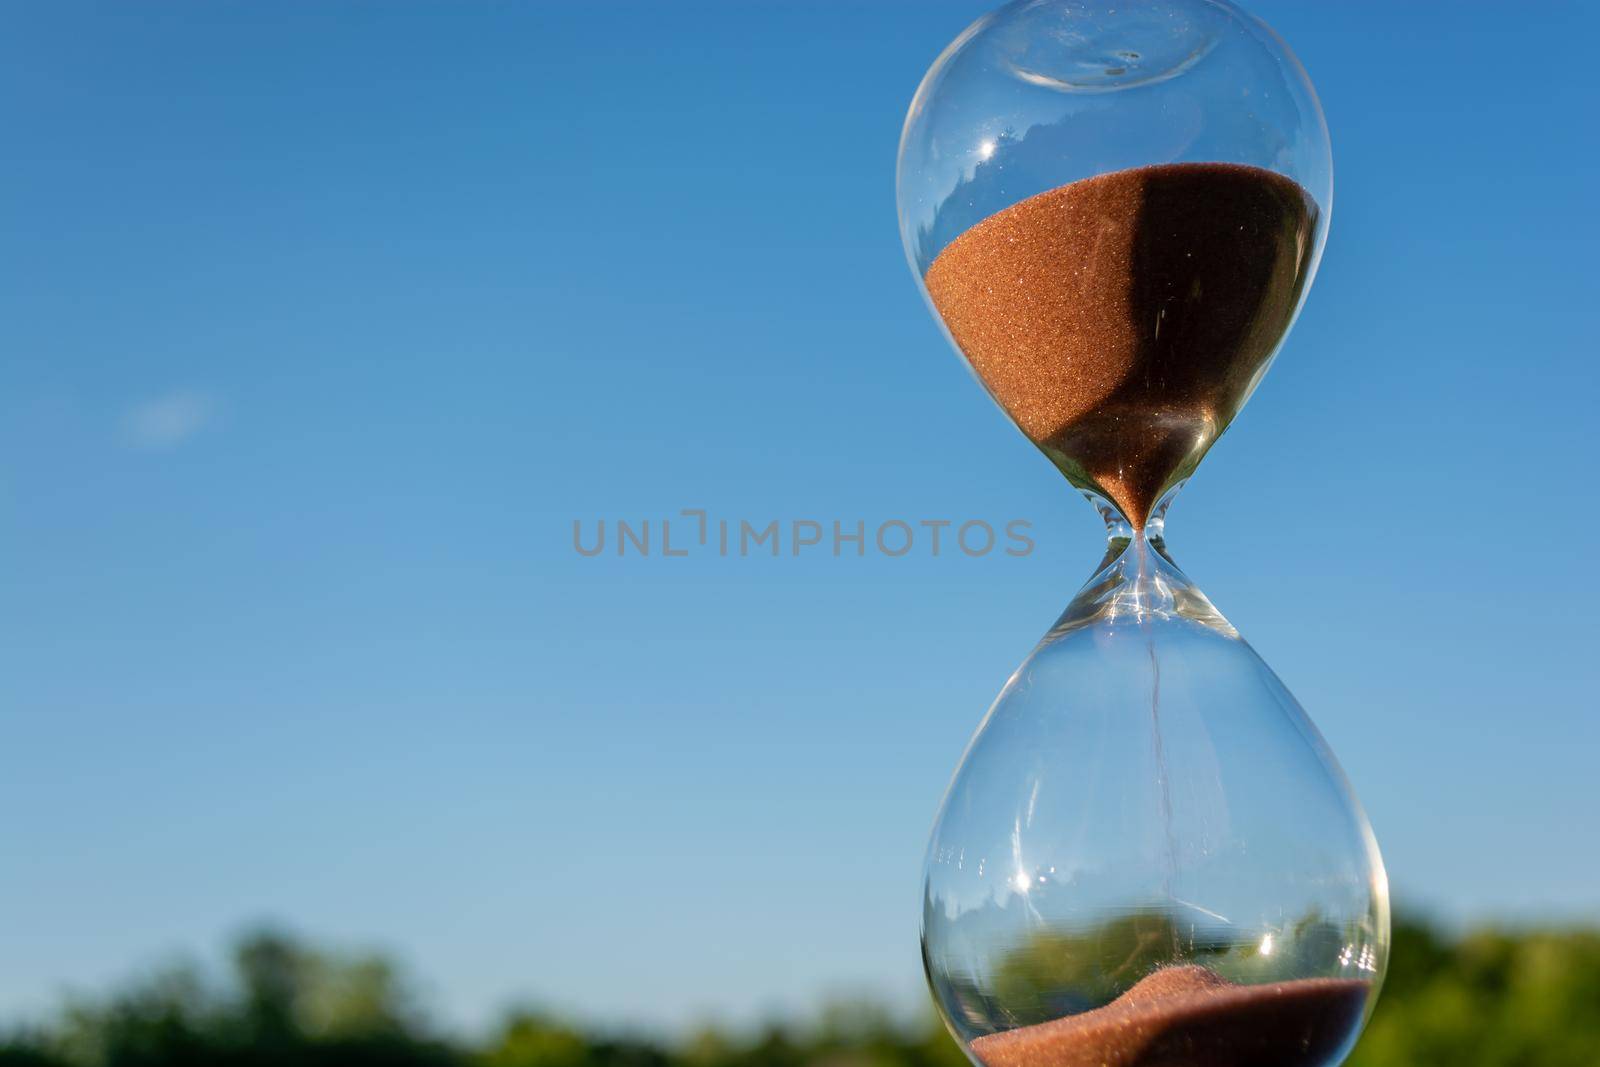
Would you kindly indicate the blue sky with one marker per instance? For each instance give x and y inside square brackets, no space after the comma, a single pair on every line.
[321,324]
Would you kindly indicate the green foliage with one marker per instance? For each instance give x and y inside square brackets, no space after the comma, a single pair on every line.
[285,1004]
[1490,999]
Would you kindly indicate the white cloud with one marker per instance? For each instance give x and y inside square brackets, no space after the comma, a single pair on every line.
[168,421]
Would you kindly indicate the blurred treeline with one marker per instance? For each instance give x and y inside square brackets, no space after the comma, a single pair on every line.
[1492,998]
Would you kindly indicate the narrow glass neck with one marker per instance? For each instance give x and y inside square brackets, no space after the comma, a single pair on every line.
[1120,531]
[1137,581]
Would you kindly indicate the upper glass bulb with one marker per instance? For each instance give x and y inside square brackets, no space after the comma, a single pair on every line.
[1062,167]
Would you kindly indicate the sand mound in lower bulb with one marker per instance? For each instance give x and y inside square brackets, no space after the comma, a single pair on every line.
[1191,1017]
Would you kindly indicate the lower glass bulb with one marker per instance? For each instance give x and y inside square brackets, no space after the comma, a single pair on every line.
[1148,855]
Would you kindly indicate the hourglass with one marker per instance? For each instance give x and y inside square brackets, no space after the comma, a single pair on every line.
[1148,854]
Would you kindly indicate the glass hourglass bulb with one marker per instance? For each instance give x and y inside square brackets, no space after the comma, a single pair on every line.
[1148,854]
